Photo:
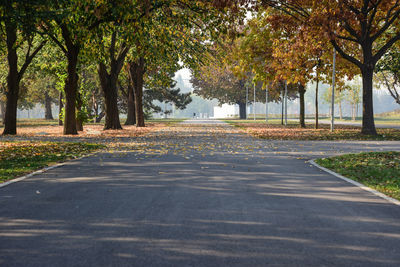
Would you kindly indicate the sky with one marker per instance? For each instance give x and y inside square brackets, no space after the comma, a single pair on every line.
[185,73]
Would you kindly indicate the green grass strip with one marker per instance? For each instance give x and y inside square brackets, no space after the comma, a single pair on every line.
[19,158]
[378,170]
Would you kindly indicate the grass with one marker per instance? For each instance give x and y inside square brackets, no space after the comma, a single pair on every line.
[378,170]
[395,114]
[19,158]
[275,131]
[378,120]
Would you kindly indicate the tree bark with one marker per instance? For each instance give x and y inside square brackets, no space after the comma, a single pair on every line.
[108,84]
[60,108]
[79,122]
[70,90]
[48,115]
[136,72]
[2,110]
[302,91]
[242,110]
[368,124]
[131,116]
[13,79]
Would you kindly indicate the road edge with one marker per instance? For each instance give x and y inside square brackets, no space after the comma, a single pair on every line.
[45,169]
[364,187]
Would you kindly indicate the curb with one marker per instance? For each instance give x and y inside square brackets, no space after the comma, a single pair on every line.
[366,188]
[44,170]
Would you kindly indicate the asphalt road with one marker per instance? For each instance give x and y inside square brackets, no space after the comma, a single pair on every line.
[199,195]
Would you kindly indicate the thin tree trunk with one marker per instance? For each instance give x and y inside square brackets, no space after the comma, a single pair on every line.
[2,110]
[283,102]
[368,124]
[136,71]
[95,107]
[79,103]
[48,115]
[100,116]
[340,110]
[316,104]
[302,91]
[242,110]
[131,115]
[60,108]
[109,86]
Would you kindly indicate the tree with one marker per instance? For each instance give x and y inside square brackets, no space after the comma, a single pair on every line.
[353,96]
[109,78]
[388,70]
[361,31]
[180,30]
[216,80]
[19,20]
[255,51]
[70,28]
[162,87]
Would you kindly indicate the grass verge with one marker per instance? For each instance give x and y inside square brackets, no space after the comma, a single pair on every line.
[378,170]
[19,158]
[275,131]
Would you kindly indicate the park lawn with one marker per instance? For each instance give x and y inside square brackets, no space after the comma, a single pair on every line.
[378,170]
[19,158]
[275,131]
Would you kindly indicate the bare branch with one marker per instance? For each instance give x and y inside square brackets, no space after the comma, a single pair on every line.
[346,56]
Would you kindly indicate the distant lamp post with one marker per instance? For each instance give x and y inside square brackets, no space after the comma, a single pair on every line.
[333,92]
[247,99]
[254,105]
[266,104]
[285,97]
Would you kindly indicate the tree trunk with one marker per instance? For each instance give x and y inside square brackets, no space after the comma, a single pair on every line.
[131,116]
[48,115]
[71,89]
[368,124]
[302,91]
[136,71]
[108,84]
[283,102]
[79,103]
[100,116]
[340,110]
[95,107]
[13,79]
[316,104]
[60,108]
[242,110]
[2,110]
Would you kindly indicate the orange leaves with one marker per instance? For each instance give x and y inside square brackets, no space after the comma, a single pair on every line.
[294,132]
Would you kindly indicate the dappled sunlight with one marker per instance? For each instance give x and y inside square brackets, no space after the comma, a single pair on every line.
[193,195]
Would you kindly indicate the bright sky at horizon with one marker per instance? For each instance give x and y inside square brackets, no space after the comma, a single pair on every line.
[186,74]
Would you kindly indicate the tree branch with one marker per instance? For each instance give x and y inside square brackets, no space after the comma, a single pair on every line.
[384,48]
[29,59]
[388,22]
[346,56]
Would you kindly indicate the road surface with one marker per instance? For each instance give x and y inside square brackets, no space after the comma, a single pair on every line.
[199,194]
